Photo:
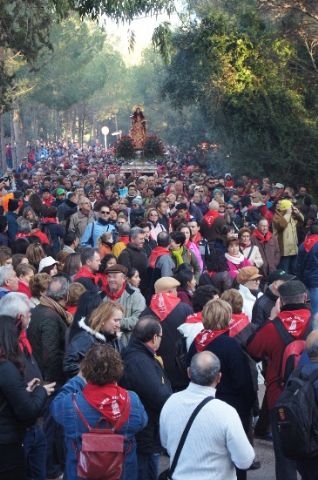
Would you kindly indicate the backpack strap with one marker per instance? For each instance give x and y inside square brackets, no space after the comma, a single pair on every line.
[283,333]
[79,413]
[185,434]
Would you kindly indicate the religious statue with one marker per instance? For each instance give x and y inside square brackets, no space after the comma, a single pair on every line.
[138,129]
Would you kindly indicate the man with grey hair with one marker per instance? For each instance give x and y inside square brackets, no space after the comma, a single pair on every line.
[8,280]
[216,442]
[80,219]
[134,257]
[47,328]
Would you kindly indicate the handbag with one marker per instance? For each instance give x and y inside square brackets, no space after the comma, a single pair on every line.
[167,474]
[102,453]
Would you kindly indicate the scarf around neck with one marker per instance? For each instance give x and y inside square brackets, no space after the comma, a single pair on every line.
[50,303]
[162,304]
[114,295]
[262,238]
[112,401]
[236,260]
[205,337]
[155,254]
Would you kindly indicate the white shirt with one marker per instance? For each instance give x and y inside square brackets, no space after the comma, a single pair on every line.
[216,442]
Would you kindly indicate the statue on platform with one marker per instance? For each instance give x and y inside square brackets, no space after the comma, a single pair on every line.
[138,128]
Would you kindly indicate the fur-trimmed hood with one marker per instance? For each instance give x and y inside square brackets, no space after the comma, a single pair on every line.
[88,329]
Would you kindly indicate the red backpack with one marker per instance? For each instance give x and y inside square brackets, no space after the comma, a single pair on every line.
[292,351]
[102,453]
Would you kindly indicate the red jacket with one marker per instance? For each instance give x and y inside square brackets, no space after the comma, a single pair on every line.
[268,344]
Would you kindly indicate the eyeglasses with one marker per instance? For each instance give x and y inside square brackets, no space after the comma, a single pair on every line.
[105,212]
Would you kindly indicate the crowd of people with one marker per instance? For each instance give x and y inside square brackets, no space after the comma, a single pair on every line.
[126,301]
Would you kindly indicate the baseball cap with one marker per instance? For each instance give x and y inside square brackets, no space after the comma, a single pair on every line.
[280,275]
[60,191]
[165,283]
[46,262]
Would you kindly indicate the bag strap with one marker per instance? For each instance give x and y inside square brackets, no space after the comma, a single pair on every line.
[79,413]
[185,433]
[91,238]
[250,252]
[285,336]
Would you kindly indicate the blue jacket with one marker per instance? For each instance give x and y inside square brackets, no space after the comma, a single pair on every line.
[93,231]
[307,263]
[12,226]
[63,412]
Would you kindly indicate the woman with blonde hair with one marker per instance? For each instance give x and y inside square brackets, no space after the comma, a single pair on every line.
[236,386]
[102,326]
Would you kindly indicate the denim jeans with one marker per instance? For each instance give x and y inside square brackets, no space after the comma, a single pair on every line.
[313,292]
[285,468]
[148,466]
[35,447]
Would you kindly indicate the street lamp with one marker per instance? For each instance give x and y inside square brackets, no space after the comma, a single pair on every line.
[105,132]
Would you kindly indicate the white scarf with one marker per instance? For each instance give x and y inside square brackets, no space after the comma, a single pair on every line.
[236,260]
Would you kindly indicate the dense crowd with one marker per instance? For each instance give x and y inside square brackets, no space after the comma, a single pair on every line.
[127,300]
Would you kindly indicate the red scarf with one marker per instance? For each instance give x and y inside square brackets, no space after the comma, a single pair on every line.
[237,323]
[310,242]
[205,337]
[124,239]
[194,318]
[162,304]
[155,254]
[114,295]
[24,343]
[49,220]
[197,238]
[85,272]
[112,401]
[262,238]
[295,321]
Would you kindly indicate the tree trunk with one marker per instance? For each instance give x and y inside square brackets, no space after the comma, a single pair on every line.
[19,140]
[3,160]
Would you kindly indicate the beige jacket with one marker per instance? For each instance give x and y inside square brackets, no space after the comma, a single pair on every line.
[285,228]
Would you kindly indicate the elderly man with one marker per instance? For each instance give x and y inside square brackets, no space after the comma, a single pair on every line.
[133,256]
[47,329]
[80,219]
[118,290]
[145,376]
[8,280]
[216,442]
[268,247]
[168,308]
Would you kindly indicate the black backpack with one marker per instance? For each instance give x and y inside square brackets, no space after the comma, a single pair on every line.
[296,415]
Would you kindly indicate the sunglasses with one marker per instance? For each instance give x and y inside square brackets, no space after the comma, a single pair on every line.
[105,212]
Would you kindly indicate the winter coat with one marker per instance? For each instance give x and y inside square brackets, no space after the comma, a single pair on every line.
[148,247]
[81,343]
[134,304]
[93,231]
[145,376]
[65,210]
[270,254]
[134,257]
[62,410]
[248,300]
[190,260]
[46,333]
[307,262]
[18,408]
[253,254]
[156,229]
[55,233]
[167,348]
[13,226]
[267,344]
[262,308]
[220,280]
[236,385]
[136,214]
[285,227]
[79,222]
[4,239]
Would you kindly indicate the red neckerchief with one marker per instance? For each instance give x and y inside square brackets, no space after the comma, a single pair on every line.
[210,216]
[237,323]
[155,254]
[114,295]
[112,401]
[211,274]
[162,304]
[295,321]
[194,318]
[205,337]
[310,242]
[124,239]
[86,273]
[197,238]
[24,343]
[262,238]
[49,220]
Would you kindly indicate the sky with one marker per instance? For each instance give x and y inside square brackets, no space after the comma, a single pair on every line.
[143,29]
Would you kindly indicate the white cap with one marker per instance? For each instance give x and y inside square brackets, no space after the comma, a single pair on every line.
[46,262]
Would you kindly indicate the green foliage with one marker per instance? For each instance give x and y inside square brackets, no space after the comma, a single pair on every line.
[124,147]
[238,71]
[153,147]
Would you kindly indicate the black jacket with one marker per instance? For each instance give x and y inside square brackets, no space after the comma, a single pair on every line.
[262,308]
[65,210]
[46,333]
[221,280]
[145,376]
[133,257]
[80,344]
[18,408]
[170,336]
